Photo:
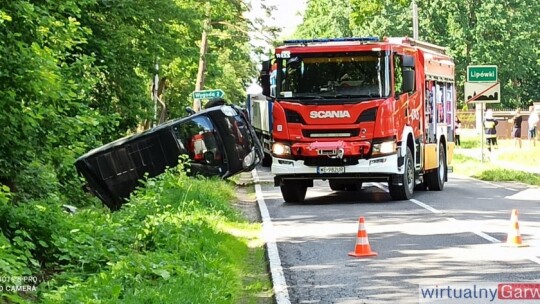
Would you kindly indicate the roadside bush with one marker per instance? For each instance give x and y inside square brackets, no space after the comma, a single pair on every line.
[29,229]
[167,245]
[13,260]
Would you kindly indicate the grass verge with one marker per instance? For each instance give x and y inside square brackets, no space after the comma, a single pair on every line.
[178,240]
[469,166]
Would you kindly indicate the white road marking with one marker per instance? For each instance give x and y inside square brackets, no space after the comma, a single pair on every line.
[276,271]
[479,233]
[425,206]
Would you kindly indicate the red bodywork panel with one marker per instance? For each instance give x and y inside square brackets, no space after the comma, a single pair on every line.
[381,127]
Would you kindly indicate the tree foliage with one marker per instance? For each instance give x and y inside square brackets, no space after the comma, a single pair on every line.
[77,74]
[325,19]
[475,32]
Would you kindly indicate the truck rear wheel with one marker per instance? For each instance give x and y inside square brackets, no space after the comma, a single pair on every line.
[435,179]
[405,187]
[293,191]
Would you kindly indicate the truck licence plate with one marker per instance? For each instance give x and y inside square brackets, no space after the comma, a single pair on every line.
[330,170]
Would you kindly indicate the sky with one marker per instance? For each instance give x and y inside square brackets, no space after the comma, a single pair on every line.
[287,16]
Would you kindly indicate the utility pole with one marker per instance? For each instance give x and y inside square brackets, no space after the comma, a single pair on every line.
[199,84]
[415,19]
[155,86]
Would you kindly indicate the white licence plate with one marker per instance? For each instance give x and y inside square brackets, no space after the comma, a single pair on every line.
[330,170]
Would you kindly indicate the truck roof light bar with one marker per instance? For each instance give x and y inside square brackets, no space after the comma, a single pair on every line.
[323,40]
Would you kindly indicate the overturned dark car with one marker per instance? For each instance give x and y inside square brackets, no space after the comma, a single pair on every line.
[218,142]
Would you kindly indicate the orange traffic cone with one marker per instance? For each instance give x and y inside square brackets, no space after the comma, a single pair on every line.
[514,237]
[362,248]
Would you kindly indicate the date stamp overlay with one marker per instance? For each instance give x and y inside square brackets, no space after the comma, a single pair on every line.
[17,284]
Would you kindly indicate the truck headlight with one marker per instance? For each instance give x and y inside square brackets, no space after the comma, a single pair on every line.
[280,149]
[387,147]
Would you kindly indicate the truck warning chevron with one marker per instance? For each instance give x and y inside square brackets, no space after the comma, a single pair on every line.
[355,110]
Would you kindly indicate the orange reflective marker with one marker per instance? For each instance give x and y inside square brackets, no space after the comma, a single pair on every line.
[362,248]
[514,237]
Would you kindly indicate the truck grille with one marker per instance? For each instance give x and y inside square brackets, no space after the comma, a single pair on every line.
[326,161]
[330,133]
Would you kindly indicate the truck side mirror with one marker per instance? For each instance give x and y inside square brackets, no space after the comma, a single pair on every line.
[408,81]
[408,62]
[264,77]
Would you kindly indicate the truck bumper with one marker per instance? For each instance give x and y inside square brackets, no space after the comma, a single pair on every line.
[374,169]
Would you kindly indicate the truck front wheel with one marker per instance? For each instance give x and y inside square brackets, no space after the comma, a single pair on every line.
[293,191]
[404,188]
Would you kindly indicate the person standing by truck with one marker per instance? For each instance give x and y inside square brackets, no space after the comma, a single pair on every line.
[516,129]
[490,125]
[458,132]
[532,121]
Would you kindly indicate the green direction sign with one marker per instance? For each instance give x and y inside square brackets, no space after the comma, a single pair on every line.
[208,94]
[482,73]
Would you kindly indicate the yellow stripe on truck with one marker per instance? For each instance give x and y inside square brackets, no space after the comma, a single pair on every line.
[450,152]
[430,159]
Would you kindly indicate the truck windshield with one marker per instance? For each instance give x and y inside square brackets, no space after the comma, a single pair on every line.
[362,75]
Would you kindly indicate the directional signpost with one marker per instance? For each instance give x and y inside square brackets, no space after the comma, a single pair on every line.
[482,87]
[208,94]
[205,94]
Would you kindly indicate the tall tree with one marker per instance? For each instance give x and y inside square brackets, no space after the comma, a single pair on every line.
[476,32]
[382,18]
[325,19]
[489,33]
[76,74]
[45,83]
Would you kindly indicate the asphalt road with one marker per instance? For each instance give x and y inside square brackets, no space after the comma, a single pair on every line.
[447,237]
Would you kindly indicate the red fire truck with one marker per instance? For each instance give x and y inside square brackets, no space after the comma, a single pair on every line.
[354,110]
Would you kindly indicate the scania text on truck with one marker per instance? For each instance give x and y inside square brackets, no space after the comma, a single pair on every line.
[355,110]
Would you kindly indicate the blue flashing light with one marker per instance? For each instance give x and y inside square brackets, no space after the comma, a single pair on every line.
[323,40]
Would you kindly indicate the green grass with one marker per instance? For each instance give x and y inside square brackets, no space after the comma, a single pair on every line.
[178,240]
[507,154]
[526,156]
[487,171]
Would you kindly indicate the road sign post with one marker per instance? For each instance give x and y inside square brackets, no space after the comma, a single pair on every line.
[482,87]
